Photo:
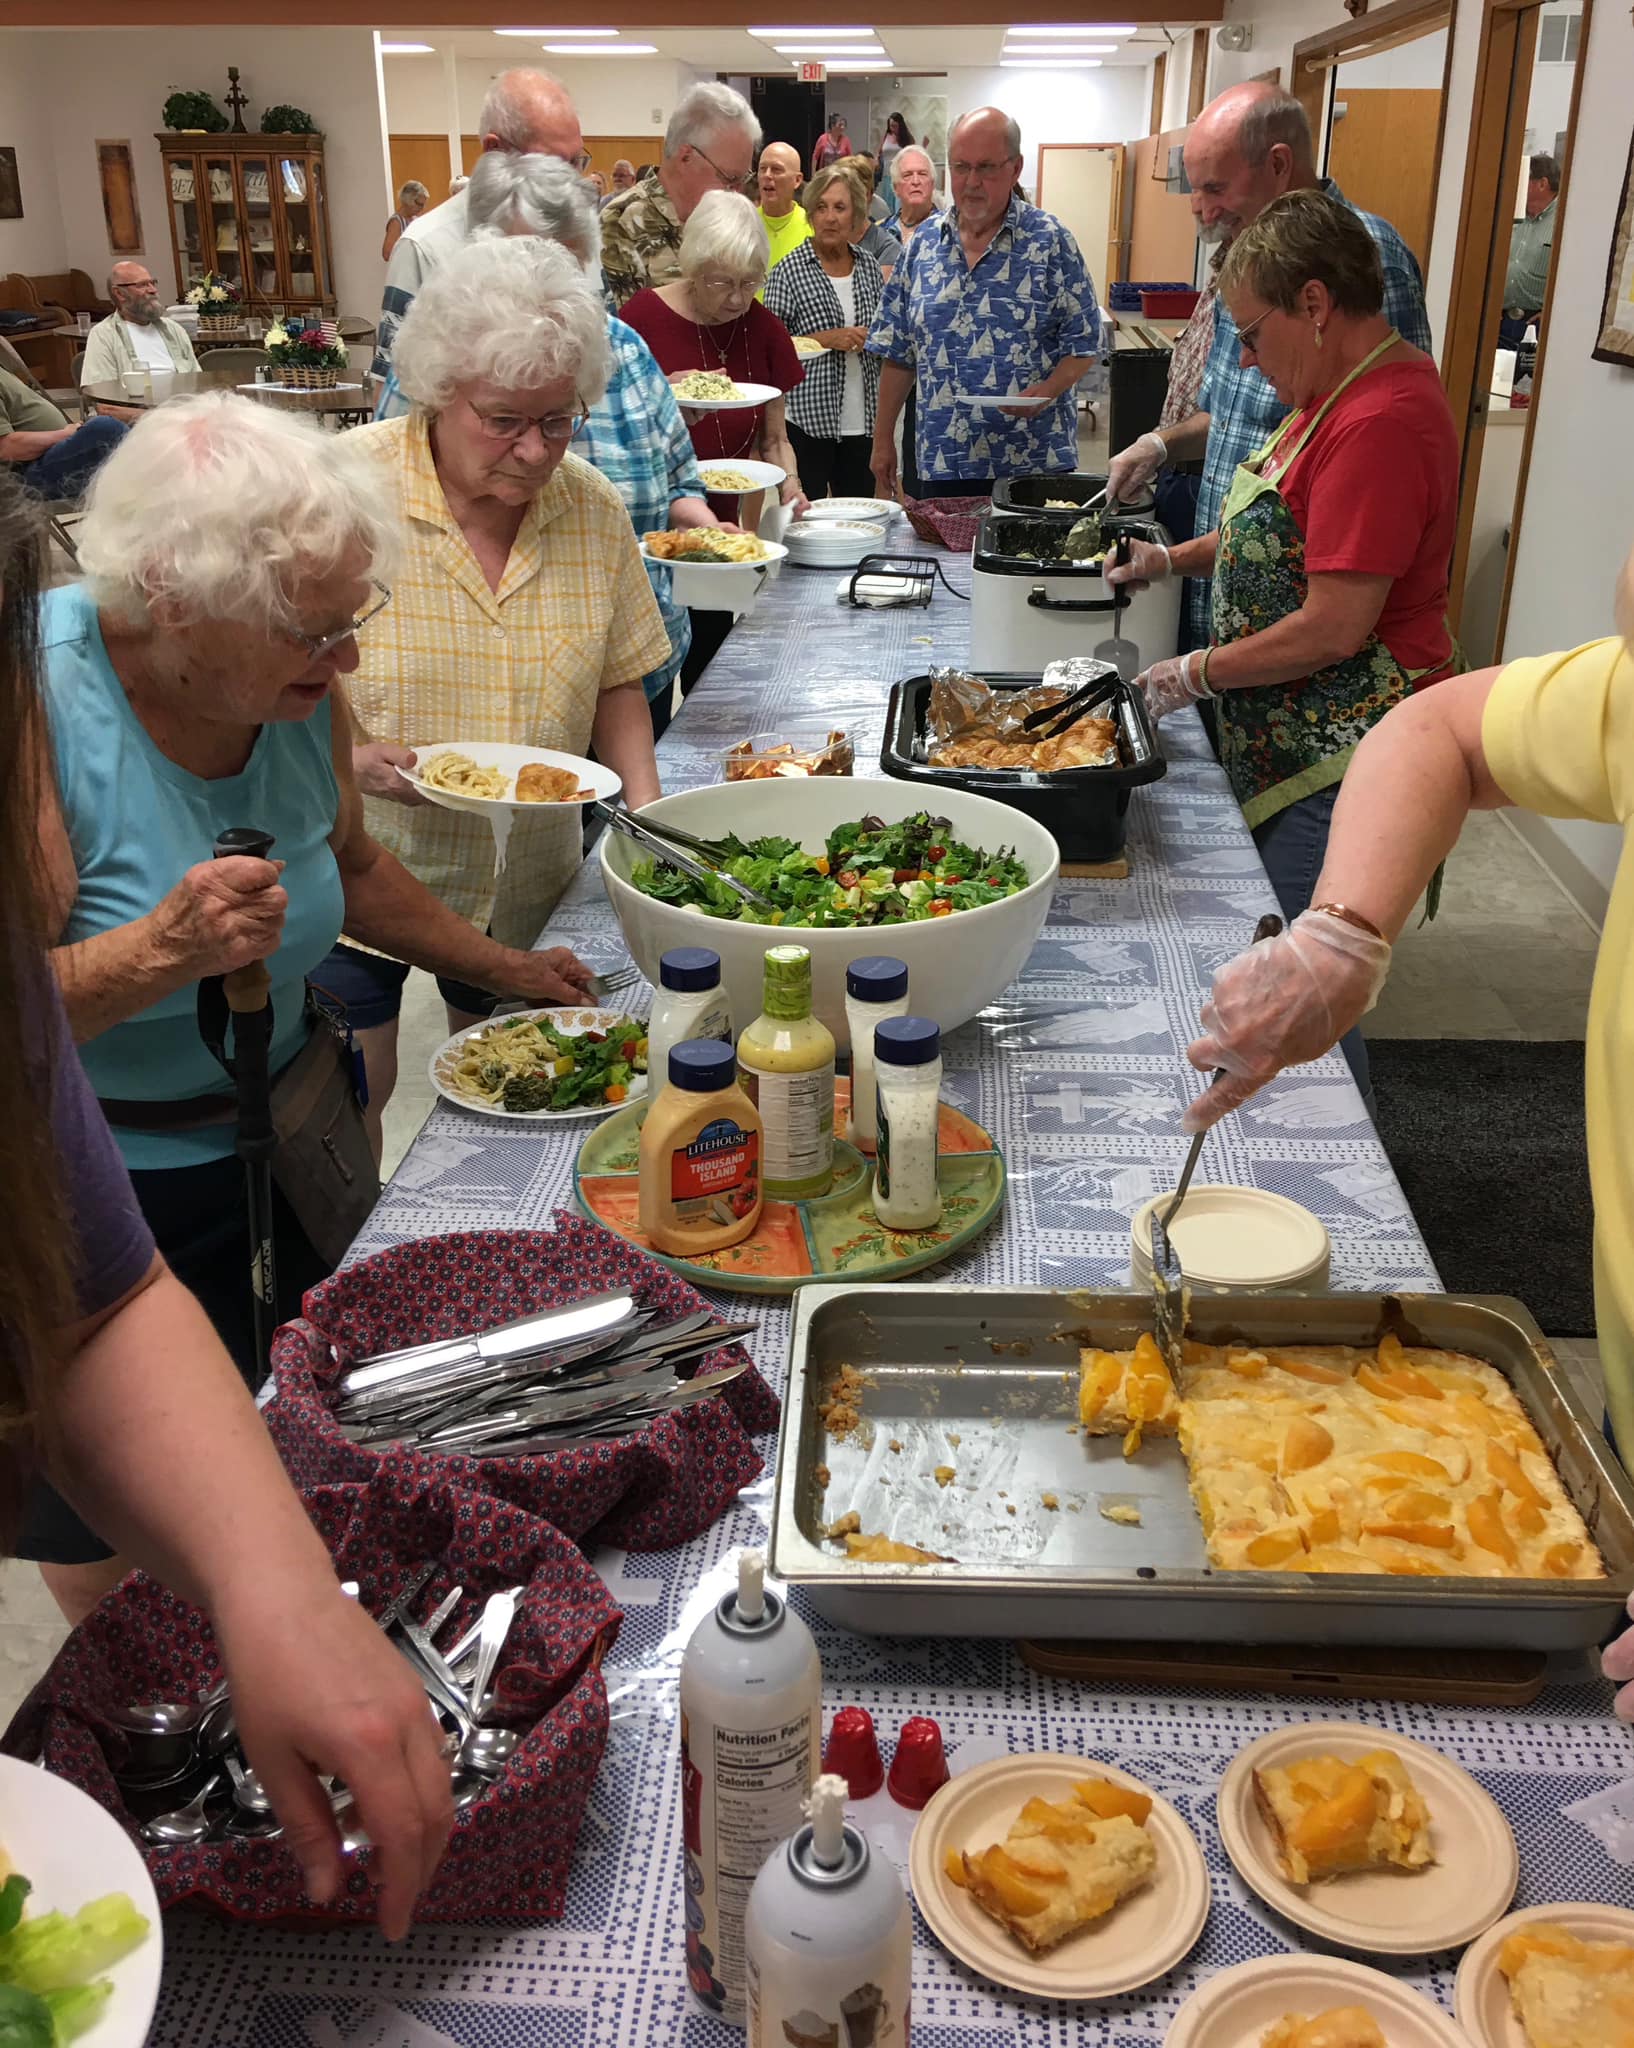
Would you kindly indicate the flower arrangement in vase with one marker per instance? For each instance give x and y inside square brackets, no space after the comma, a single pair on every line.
[221,308]
[305,356]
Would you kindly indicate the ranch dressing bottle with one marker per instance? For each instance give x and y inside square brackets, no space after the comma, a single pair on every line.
[751,1732]
[908,1057]
[690,1004]
[786,1068]
[829,1939]
[876,987]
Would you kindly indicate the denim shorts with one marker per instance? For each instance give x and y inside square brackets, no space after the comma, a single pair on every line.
[369,988]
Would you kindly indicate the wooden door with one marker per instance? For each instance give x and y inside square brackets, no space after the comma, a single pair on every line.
[1382,155]
[1081,183]
[420,156]
[1162,233]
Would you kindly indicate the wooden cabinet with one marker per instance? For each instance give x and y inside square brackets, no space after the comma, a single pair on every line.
[253,208]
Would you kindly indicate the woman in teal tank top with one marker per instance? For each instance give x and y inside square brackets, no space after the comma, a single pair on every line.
[231,555]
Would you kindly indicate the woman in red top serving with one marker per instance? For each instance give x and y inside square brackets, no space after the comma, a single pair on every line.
[1330,560]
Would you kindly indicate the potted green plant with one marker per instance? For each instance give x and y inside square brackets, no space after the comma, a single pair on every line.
[287,120]
[193,113]
[220,304]
[304,356]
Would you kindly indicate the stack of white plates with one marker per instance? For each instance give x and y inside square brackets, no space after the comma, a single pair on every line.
[833,543]
[875,509]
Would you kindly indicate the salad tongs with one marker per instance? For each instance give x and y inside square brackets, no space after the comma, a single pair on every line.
[700,859]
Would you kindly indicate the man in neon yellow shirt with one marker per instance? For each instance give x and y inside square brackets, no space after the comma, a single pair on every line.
[778,178]
[1553,734]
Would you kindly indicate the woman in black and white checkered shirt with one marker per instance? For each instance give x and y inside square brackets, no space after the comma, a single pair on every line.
[830,291]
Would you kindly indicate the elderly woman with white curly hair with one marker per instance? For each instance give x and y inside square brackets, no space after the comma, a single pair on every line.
[521,611]
[232,554]
[634,433]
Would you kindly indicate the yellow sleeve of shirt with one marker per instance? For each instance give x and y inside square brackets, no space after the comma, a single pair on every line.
[1558,733]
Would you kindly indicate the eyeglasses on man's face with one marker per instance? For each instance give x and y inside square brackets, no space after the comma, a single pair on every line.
[731,181]
[983,173]
[507,428]
[318,645]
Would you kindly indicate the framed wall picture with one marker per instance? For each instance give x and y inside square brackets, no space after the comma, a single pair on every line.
[1616,340]
[119,206]
[11,191]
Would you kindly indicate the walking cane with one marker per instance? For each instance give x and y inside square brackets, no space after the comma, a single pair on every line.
[247,990]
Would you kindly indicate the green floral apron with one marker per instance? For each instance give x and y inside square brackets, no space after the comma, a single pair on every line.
[1289,740]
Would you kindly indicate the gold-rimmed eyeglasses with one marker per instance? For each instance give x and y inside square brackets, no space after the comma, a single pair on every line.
[1245,335]
[318,645]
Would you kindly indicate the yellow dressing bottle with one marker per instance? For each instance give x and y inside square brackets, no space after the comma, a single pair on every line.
[786,1068]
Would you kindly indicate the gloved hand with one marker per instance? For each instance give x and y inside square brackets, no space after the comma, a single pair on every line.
[1171,685]
[1149,562]
[1285,1001]
[1133,468]
[1617,1662]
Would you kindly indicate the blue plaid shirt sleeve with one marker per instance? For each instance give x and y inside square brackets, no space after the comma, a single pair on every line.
[680,457]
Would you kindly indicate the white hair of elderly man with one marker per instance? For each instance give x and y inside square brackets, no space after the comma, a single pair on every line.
[704,112]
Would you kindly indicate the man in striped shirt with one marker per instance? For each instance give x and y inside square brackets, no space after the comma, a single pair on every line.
[1246,148]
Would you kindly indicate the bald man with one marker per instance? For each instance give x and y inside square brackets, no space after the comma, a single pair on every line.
[136,335]
[526,112]
[778,179]
[1247,147]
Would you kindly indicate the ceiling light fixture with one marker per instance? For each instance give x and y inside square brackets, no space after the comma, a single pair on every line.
[407,50]
[866,64]
[538,33]
[1059,31]
[1049,63]
[1060,50]
[830,53]
[826,35]
[601,49]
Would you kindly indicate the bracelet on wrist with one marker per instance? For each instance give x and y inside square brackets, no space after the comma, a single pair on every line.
[1202,671]
[1346,915]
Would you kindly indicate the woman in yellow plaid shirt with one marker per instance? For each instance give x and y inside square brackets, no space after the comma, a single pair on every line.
[523,612]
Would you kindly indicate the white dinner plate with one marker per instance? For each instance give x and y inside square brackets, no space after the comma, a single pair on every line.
[1144,1934]
[1481,1996]
[851,508]
[763,476]
[748,395]
[775,552]
[72,1851]
[1000,398]
[569,1021]
[512,760]
[298,389]
[1381,1912]
[834,543]
[1233,2008]
[807,349]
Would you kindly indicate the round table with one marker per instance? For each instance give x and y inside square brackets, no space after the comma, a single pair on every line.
[337,404]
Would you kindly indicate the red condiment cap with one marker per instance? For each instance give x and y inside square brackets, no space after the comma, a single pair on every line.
[853,1752]
[919,1768]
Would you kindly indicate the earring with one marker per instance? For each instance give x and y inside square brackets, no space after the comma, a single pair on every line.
[1319,337]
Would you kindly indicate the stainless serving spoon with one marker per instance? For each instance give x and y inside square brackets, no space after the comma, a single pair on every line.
[186,1824]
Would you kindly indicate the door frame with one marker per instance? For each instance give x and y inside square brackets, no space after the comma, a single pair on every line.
[1117,243]
[1503,81]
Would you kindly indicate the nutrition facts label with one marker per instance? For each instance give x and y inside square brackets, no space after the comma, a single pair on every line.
[761,1782]
[798,1112]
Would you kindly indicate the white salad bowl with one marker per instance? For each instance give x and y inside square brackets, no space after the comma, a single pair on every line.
[956,965]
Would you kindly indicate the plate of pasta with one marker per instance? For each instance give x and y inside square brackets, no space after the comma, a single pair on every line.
[543,1066]
[494,775]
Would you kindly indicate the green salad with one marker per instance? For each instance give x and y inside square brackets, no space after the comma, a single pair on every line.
[50,1992]
[869,873]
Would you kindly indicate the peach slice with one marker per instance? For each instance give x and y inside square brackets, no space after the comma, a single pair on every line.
[1305,1369]
[1274,1547]
[1486,1527]
[1409,1464]
[954,1867]
[997,1868]
[1340,1822]
[1305,1443]
[1506,1468]
[1427,1535]
[1560,1560]
[1106,1800]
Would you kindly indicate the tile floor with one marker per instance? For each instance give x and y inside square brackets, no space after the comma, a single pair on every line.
[1509,956]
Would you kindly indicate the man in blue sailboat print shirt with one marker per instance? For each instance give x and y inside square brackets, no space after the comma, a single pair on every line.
[992,300]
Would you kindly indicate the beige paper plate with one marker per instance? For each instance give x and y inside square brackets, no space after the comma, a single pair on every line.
[1481,1998]
[1233,2008]
[1382,1912]
[1146,1934]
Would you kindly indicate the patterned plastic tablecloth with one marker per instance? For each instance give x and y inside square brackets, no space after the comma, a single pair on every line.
[1079,1072]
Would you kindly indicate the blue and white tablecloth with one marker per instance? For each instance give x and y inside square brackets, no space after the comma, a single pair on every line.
[1078,1071]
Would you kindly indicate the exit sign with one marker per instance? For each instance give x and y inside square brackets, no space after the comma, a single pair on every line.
[813,74]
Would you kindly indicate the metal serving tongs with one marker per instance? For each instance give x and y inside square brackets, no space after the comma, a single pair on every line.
[1168,1281]
[667,840]
[1059,717]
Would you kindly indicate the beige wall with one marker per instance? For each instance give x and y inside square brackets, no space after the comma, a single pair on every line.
[35,243]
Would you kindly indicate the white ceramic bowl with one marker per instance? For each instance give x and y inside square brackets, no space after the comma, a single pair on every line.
[1232,1240]
[956,965]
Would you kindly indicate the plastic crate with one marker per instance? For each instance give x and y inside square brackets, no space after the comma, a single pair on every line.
[1168,304]
[1126,297]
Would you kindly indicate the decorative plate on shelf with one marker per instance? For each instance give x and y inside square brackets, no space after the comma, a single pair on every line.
[835,1236]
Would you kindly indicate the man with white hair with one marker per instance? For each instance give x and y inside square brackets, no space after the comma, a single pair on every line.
[709,146]
[1248,146]
[136,334]
[623,177]
[991,302]
[524,110]
[913,181]
[777,177]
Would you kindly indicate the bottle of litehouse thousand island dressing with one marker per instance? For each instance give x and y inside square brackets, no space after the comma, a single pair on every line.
[829,1939]
[786,1068]
[751,1733]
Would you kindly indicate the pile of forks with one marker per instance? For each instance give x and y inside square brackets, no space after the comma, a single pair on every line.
[592,1371]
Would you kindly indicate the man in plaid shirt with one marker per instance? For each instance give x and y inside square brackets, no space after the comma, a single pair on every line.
[1246,148]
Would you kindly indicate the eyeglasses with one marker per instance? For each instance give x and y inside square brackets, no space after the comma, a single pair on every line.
[1245,335]
[510,427]
[985,172]
[736,287]
[581,162]
[317,648]
[728,181]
